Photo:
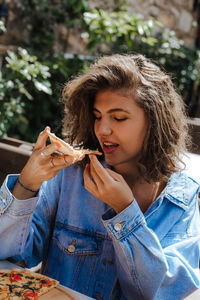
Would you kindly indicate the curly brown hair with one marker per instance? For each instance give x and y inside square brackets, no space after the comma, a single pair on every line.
[134,75]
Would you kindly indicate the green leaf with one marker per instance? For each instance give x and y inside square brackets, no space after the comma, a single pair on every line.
[43,86]
[2,27]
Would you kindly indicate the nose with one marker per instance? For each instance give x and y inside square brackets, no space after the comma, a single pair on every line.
[102,128]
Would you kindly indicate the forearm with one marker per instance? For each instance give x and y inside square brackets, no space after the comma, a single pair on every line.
[22,192]
[13,233]
[135,256]
[146,275]
[25,225]
[146,268]
[15,220]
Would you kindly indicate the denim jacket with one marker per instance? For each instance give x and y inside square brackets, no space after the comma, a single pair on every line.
[88,247]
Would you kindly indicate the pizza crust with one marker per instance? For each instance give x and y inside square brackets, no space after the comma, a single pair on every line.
[67,149]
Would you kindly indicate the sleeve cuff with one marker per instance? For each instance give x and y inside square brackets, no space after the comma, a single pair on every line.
[120,225]
[13,205]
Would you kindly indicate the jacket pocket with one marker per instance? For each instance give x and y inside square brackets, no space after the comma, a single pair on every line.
[73,256]
[76,241]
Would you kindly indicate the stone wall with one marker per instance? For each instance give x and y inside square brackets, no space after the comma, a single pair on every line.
[178,15]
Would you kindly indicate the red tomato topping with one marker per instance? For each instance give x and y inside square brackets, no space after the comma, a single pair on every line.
[30,296]
[15,277]
[46,282]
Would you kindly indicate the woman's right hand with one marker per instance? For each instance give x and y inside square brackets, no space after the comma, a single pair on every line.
[41,166]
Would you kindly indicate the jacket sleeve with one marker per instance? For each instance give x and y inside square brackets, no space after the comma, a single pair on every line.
[25,224]
[157,257]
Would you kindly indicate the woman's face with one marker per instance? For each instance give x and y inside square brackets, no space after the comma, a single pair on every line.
[120,127]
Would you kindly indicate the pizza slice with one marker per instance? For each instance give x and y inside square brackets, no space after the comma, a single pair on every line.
[67,149]
[5,285]
[21,287]
[42,283]
[29,285]
[19,293]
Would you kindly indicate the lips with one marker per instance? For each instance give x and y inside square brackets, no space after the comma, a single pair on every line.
[109,147]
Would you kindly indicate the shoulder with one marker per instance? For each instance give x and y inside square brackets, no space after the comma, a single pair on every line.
[192,161]
[182,189]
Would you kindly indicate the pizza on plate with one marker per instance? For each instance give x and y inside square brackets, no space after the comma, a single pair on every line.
[17,284]
[5,285]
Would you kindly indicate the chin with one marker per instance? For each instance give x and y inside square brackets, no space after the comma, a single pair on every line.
[110,161]
[115,160]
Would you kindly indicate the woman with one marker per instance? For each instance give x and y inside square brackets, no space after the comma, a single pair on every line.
[124,227]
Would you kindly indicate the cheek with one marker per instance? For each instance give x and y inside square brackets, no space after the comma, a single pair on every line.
[95,129]
[133,136]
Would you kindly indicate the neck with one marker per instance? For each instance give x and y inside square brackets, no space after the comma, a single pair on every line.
[145,193]
[129,173]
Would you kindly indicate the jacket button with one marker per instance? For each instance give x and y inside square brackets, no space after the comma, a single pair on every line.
[71,248]
[118,226]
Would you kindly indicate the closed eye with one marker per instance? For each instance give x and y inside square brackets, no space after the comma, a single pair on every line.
[120,119]
[115,118]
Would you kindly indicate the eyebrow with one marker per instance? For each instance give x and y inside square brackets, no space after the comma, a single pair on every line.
[113,110]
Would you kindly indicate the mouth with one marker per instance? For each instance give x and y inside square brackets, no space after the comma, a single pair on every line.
[109,147]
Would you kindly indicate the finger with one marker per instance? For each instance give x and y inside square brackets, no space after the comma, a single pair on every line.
[95,176]
[62,161]
[41,141]
[114,175]
[68,159]
[52,164]
[88,182]
[100,170]
[50,149]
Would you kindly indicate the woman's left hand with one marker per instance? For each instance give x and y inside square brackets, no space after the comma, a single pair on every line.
[107,185]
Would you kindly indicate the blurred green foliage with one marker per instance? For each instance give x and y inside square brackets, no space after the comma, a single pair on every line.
[122,32]
[21,76]
[31,80]
[40,16]
[2,27]
[30,93]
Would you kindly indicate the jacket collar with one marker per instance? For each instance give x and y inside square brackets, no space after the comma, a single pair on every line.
[179,189]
